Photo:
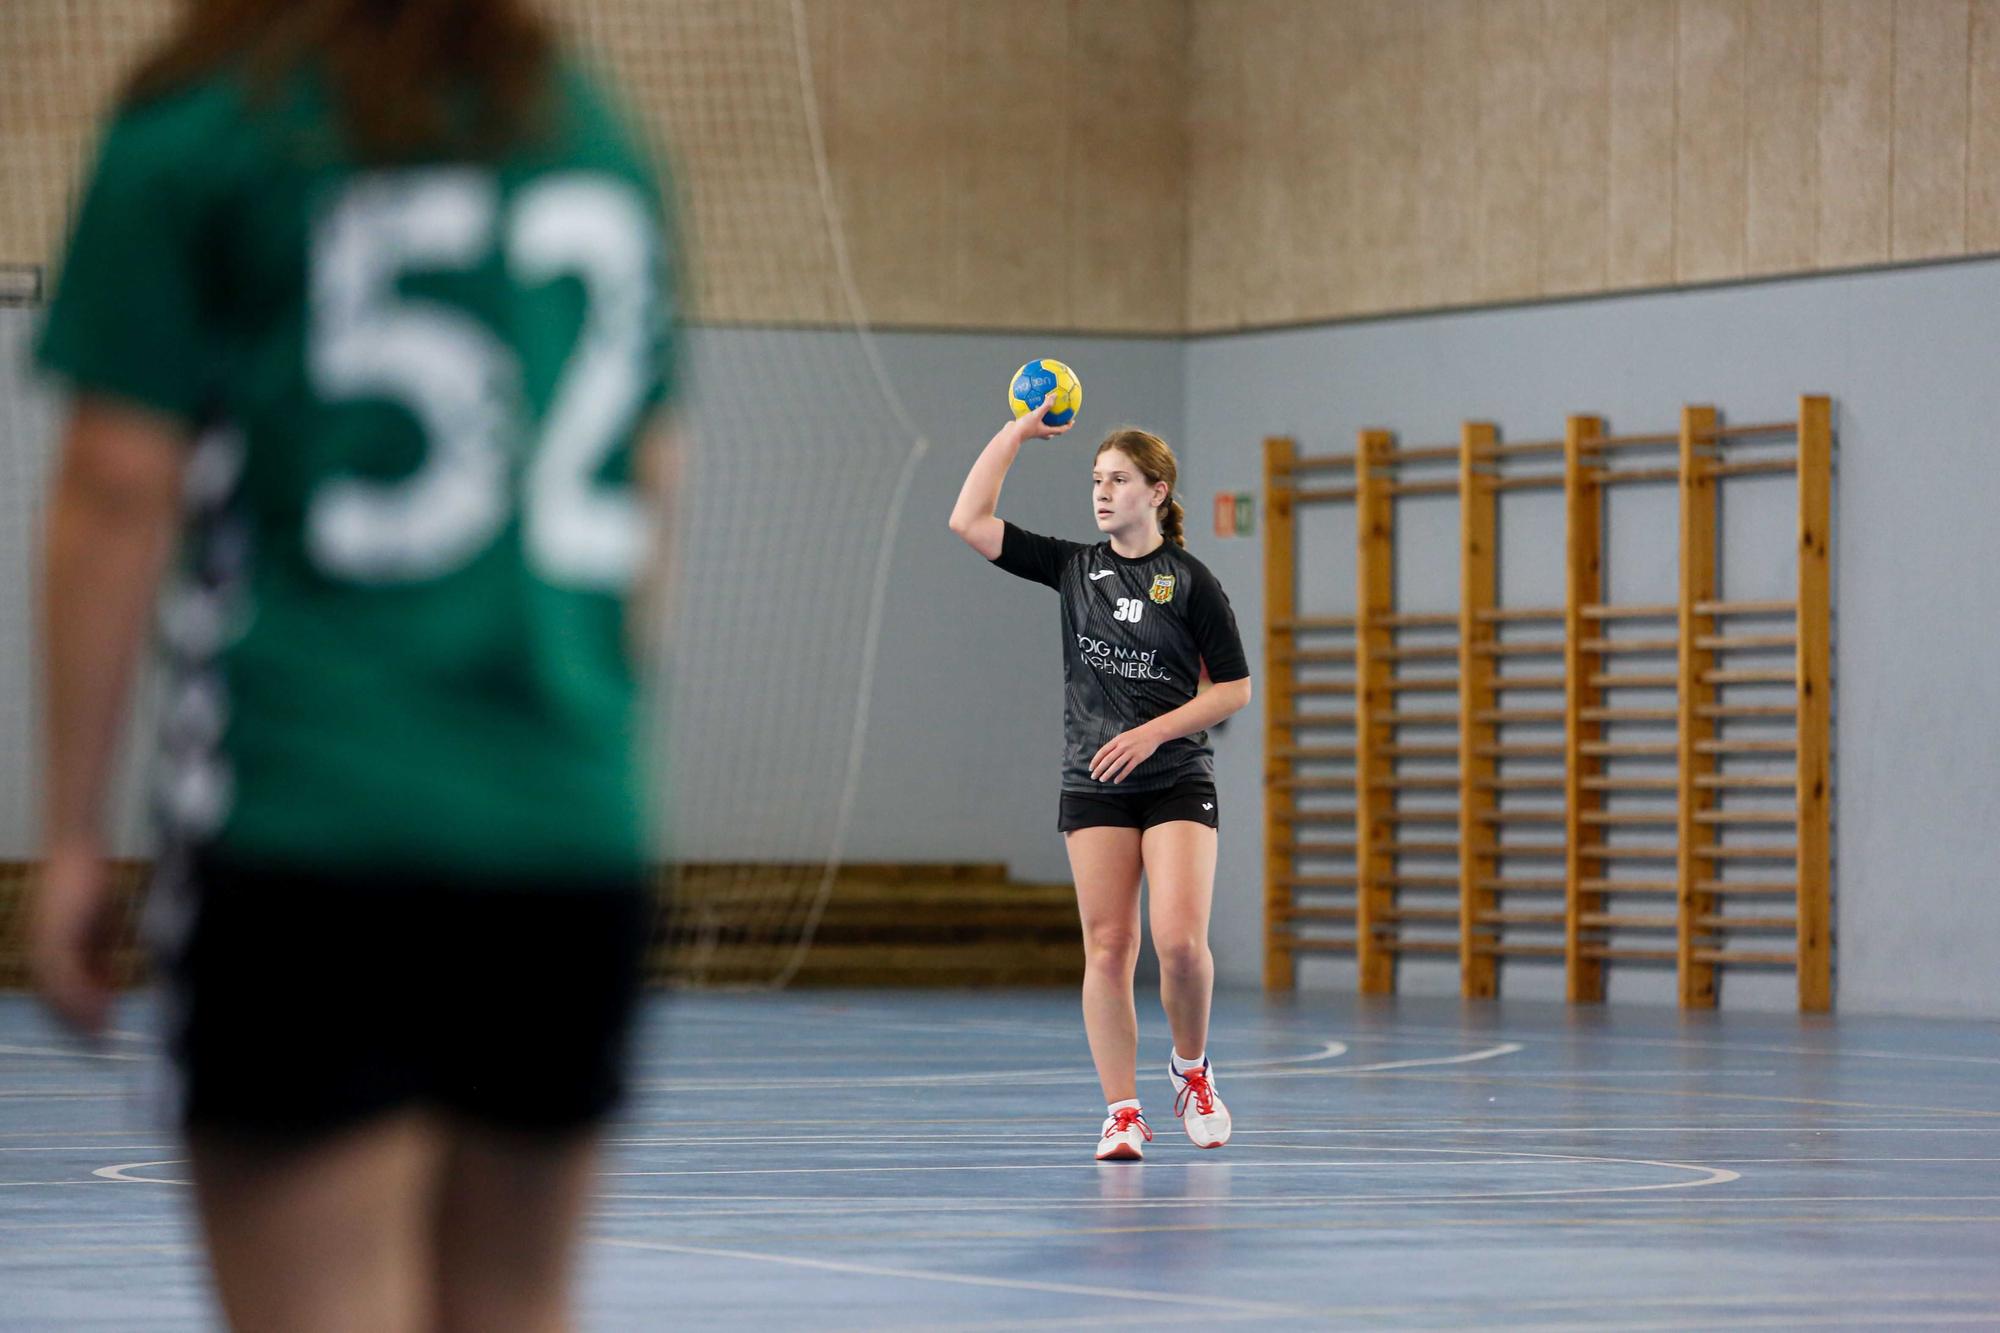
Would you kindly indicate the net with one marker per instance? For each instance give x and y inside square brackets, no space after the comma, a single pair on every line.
[800,453]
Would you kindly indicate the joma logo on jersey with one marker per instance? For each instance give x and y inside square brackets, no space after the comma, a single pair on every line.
[1163,588]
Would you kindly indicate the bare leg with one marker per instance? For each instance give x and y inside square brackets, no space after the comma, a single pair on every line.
[325,1237]
[1180,866]
[1105,863]
[509,1212]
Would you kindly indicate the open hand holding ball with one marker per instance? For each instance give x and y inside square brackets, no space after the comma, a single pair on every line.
[1046,378]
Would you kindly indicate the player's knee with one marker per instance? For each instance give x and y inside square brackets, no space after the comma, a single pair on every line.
[1181,955]
[1114,948]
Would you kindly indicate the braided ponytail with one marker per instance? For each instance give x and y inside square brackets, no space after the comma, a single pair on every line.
[1155,461]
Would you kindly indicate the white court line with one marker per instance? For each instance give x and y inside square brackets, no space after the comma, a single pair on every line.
[960,1279]
[118,1172]
[72,1053]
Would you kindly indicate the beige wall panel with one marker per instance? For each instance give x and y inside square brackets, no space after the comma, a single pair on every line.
[1128,159]
[1387,87]
[1448,154]
[1216,136]
[1855,87]
[1709,157]
[1982,154]
[1009,117]
[1510,167]
[1639,200]
[1321,160]
[1576,145]
[1283,87]
[1781,102]
[889,150]
[1927,157]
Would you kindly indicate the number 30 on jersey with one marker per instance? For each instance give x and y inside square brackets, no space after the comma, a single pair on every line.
[1129,609]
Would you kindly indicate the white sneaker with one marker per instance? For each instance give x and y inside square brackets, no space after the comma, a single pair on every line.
[1122,1136]
[1202,1113]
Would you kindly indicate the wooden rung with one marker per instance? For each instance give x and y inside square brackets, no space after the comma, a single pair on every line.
[1746,817]
[1401,848]
[1532,481]
[1441,818]
[1524,817]
[1419,914]
[1631,749]
[1631,784]
[1519,751]
[1317,817]
[1606,443]
[1314,848]
[1520,918]
[1423,685]
[1308,882]
[1756,428]
[1754,467]
[1620,476]
[1310,784]
[1744,642]
[1723,780]
[1712,922]
[1496,949]
[1746,747]
[1750,677]
[1630,818]
[1306,495]
[1415,620]
[1629,715]
[1417,784]
[1419,946]
[1537,648]
[1618,921]
[1311,625]
[1648,646]
[1610,953]
[1636,680]
[1746,608]
[1320,688]
[1651,612]
[1504,715]
[1319,463]
[1421,882]
[1628,886]
[1599,852]
[1427,653]
[1304,754]
[1321,914]
[1527,850]
[1324,944]
[1523,447]
[1757,853]
[1431,719]
[1419,751]
[1316,657]
[1519,784]
[1746,710]
[1520,885]
[1745,888]
[1400,488]
[1526,683]
[1313,720]
[1498,615]
[1746,957]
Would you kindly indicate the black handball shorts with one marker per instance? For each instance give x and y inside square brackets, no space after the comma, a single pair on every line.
[300,1003]
[1112,808]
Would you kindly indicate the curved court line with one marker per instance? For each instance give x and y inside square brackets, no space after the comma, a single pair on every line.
[117,1173]
[960,1279]
[1329,1050]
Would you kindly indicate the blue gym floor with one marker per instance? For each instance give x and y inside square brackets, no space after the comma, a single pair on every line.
[922,1161]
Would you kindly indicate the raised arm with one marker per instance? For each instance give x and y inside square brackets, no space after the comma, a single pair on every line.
[972,517]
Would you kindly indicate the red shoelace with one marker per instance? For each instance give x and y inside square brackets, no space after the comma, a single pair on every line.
[1195,1084]
[1124,1119]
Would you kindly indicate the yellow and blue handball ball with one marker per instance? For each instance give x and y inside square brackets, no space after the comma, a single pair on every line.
[1036,381]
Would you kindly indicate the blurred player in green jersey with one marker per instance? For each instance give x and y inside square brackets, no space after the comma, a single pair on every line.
[366,320]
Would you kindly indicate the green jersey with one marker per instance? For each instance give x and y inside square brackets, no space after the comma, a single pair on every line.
[399,636]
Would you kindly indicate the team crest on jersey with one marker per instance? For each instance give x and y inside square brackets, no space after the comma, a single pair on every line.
[1163,588]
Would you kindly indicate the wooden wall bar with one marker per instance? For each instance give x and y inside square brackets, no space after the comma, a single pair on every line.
[1716,733]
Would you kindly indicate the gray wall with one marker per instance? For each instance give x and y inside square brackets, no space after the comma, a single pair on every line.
[1908,357]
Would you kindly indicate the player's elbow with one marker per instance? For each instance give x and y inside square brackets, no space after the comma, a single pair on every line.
[1236,693]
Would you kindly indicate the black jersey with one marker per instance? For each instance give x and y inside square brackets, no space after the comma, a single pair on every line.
[1136,634]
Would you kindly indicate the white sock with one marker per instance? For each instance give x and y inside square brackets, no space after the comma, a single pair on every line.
[1115,1107]
[1182,1064]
